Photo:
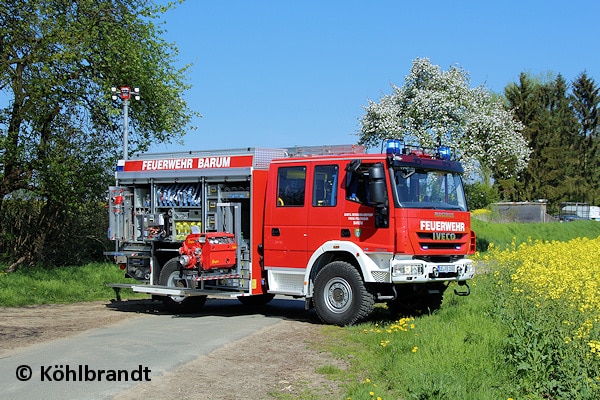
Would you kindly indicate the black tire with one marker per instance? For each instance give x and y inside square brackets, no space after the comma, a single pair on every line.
[179,304]
[340,296]
[256,300]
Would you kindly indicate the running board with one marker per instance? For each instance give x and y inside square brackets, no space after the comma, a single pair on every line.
[182,292]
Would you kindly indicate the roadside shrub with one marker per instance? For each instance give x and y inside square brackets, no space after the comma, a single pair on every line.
[480,195]
[77,237]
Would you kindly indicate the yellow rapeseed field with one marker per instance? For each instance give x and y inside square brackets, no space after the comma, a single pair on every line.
[565,273]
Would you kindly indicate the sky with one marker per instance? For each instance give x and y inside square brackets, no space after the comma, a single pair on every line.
[299,73]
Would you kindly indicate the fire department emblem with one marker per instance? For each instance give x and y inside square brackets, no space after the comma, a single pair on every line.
[357,232]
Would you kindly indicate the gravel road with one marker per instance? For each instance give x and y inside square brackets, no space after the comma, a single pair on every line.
[281,358]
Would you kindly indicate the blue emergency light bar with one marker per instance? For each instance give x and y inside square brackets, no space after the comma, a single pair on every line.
[396,147]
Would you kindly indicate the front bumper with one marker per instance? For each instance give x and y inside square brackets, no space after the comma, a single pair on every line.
[419,271]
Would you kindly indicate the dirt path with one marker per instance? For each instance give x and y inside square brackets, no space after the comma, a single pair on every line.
[282,358]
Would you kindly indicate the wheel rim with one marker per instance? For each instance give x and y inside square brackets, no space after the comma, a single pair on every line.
[338,295]
[175,281]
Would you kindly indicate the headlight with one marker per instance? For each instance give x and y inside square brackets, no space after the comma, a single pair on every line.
[469,268]
[407,269]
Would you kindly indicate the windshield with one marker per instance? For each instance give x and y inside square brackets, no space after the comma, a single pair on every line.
[439,190]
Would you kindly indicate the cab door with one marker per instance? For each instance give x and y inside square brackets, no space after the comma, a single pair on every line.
[285,235]
[324,211]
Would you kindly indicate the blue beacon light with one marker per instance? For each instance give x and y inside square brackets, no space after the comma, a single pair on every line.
[393,147]
[444,153]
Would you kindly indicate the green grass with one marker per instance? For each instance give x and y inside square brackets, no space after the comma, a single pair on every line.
[502,234]
[454,353]
[38,285]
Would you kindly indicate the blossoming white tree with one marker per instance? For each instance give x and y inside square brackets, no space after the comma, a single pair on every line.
[436,106]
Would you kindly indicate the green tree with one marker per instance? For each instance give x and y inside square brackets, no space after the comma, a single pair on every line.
[480,195]
[439,106]
[521,99]
[550,127]
[585,101]
[524,97]
[60,133]
[563,179]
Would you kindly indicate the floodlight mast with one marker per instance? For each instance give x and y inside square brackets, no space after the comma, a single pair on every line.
[124,93]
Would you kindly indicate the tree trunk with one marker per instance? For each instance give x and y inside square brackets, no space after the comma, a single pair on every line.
[14,266]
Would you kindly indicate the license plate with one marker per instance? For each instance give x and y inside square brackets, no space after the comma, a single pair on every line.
[444,269]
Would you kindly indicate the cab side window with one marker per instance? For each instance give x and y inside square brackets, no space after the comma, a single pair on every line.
[357,183]
[291,184]
[325,186]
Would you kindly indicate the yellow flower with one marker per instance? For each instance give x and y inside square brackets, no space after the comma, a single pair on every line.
[555,271]
[568,340]
[415,349]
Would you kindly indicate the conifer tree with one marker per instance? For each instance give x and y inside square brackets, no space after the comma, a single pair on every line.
[550,126]
[585,101]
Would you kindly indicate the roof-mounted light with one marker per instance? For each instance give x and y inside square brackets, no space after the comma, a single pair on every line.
[444,153]
[393,147]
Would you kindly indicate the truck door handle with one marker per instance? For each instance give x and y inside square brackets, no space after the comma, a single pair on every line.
[275,232]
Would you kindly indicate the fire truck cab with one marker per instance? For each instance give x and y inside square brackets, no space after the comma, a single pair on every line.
[334,225]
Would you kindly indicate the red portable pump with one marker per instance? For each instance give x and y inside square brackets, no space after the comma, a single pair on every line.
[207,251]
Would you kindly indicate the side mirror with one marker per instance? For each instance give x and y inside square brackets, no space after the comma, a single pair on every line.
[377,185]
[377,193]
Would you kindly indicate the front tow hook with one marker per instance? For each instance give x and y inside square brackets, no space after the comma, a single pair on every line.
[463,293]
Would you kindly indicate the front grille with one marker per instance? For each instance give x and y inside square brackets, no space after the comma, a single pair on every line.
[441,241]
[430,235]
[440,246]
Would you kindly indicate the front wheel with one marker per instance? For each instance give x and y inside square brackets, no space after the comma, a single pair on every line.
[340,296]
[170,275]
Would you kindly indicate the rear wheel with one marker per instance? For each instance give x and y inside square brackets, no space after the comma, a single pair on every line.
[170,275]
[340,296]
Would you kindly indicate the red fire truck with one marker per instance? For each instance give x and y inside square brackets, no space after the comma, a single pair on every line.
[334,225]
